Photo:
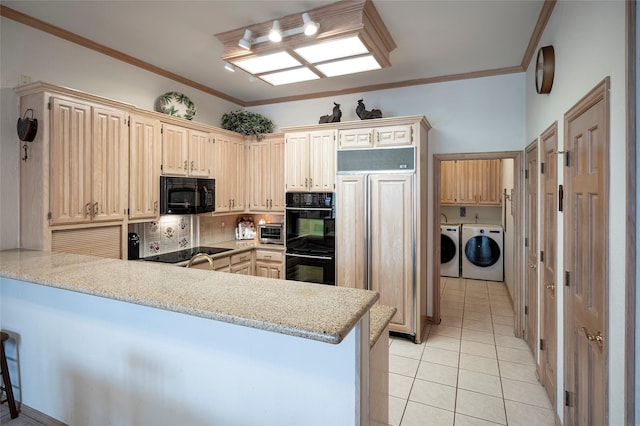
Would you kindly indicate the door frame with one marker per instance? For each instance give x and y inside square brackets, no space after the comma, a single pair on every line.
[532,314]
[518,173]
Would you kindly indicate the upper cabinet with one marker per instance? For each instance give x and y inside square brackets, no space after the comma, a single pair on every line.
[266,174]
[145,157]
[470,182]
[230,158]
[89,158]
[186,152]
[310,161]
[371,137]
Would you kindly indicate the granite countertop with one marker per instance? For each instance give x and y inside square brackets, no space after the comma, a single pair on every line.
[379,317]
[313,311]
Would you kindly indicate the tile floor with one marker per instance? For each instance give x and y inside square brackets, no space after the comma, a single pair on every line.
[470,370]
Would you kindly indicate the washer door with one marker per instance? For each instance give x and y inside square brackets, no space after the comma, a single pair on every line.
[482,251]
[447,248]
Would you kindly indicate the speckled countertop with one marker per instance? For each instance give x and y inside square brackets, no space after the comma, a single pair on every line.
[379,317]
[318,312]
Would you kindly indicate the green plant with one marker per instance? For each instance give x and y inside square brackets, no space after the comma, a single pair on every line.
[247,123]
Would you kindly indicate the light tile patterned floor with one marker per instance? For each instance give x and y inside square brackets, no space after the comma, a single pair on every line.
[471,369]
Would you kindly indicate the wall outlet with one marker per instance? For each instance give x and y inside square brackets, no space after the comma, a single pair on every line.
[24,79]
[463,212]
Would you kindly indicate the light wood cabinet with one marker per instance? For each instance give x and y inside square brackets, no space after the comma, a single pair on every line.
[269,263]
[351,239]
[145,159]
[186,152]
[310,159]
[89,155]
[471,182]
[382,136]
[266,174]
[242,263]
[229,172]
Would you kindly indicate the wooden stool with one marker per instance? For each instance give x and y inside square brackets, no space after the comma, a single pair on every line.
[6,380]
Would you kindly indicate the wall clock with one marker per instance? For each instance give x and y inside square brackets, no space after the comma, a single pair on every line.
[545,66]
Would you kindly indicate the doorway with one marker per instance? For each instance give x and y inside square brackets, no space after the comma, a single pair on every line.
[516,232]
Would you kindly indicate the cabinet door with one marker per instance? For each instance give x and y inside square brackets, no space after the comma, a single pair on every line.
[489,180]
[322,163]
[145,153]
[221,171]
[200,154]
[110,165]
[466,182]
[350,232]
[355,138]
[448,182]
[276,171]
[297,162]
[237,177]
[394,135]
[391,266]
[259,179]
[70,194]
[175,151]
[268,270]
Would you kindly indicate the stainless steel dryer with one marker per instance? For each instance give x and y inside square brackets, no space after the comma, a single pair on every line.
[483,255]
[449,250]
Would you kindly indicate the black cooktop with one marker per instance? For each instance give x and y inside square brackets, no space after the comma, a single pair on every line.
[186,254]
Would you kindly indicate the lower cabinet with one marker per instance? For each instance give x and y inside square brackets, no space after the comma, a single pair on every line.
[269,264]
[242,263]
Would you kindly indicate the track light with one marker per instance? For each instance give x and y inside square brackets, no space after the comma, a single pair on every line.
[310,27]
[275,34]
[230,67]
[245,42]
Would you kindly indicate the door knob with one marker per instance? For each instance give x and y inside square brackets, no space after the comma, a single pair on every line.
[598,337]
[532,266]
[551,286]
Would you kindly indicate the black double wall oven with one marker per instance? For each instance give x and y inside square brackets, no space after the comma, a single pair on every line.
[310,237]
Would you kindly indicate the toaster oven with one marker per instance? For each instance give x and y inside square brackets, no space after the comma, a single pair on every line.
[271,233]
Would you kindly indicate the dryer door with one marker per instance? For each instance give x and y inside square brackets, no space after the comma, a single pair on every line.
[482,251]
[447,248]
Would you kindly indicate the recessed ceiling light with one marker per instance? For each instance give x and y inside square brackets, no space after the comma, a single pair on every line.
[266,63]
[349,66]
[290,76]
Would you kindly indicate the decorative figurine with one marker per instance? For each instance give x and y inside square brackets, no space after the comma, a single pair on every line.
[366,115]
[333,118]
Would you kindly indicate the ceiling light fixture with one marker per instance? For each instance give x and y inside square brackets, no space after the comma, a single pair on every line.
[346,37]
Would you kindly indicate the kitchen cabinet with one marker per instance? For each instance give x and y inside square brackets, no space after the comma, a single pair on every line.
[269,263]
[310,160]
[145,155]
[471,182]
[186,152]
[230,158]
[266,174]
[242,263]
[351,239]
[383,136]
[90,156]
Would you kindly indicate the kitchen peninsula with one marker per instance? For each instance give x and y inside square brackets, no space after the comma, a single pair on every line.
[107,341]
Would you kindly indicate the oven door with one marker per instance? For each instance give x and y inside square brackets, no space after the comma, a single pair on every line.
[311,231]
[312,269]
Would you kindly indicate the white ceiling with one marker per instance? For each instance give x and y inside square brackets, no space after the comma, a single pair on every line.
[433,38]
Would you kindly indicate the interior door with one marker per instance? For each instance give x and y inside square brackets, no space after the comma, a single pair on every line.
[585,259]
[531,247]
[548,243]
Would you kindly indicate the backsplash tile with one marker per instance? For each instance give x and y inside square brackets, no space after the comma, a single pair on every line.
[170,233]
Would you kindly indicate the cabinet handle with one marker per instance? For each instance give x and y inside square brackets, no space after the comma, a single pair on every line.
[270,203]
[95,209]
[310,182]
[185,164]
[306,182]
[87,209]
[192,167]
[229,202]
[267,202]
[155,206]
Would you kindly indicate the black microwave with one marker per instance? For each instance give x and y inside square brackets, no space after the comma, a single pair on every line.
[183,195]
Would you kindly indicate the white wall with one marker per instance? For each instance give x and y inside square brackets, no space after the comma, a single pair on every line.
[589,43]
[42,57]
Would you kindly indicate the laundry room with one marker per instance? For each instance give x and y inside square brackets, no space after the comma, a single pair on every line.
[477,218]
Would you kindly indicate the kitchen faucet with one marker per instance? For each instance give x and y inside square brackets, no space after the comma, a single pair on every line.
[199,255]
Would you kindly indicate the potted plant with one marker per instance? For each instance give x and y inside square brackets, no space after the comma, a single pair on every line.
[247,123]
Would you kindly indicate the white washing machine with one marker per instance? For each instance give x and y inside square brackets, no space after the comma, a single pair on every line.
[482,252]
[449,250]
